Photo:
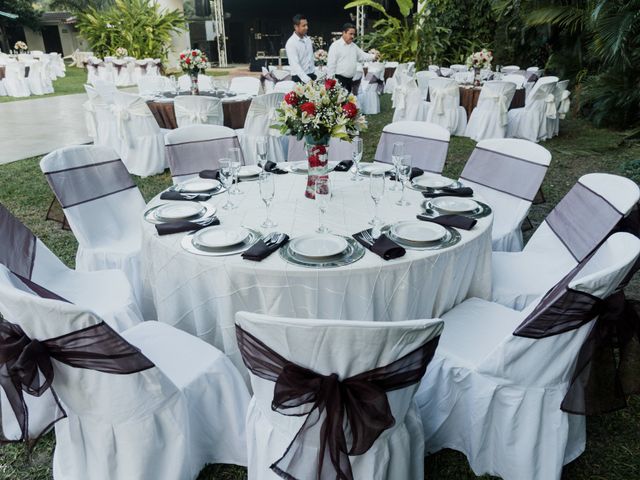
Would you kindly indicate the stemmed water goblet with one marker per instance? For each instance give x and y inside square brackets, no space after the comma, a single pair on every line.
[396,157]
[226,177]
[376,189]
[236,162]
[261,151]
[323,196]
[404,172]
[357,156]
[267,192]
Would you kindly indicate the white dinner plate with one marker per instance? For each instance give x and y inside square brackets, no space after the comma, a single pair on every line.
[249,171]
[432,181]
[418,232]
[318,246]
[300,166]
[454,204]
[220,237]
[197,185]
[179,211]
[375,167]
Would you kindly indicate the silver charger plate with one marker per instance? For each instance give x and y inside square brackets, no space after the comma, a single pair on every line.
[419,188]
[482,211]
[353,253]
[451,238]
[210,210]
[215,191]
[187,244]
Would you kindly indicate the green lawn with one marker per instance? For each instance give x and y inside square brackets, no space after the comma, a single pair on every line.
[613,441]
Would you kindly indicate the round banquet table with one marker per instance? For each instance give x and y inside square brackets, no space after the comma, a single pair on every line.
[201,294]
[235,113]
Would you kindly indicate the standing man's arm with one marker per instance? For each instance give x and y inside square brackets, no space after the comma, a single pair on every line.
[332,60]
[365,57]
[294,61]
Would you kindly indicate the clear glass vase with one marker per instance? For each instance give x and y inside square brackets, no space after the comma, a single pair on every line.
[318,159]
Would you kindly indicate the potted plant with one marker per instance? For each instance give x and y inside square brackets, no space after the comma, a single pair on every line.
[192,62]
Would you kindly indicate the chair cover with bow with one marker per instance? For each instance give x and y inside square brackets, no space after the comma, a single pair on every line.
[101,100]
[119,426]
[509,69]
[194,148]
[90,112]
[371,86]
[427,144]
[586,215]
[530,122]
[285,86]
[497,397]
[407,100]
[507,173]
[260,117]
[517,80]
[103,207]
[561,96]
[198,110]
[141,140]
[391,83]
[14,80]
[443,107]
[423,78]
[375,365]
[247,85]
[489,119]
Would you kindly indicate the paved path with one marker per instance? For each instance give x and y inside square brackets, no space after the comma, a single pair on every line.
[35,127]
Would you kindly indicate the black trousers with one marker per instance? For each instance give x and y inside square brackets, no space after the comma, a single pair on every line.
[345,82]
[296,78]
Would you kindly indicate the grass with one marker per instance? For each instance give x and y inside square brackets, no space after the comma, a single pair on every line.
[613,441]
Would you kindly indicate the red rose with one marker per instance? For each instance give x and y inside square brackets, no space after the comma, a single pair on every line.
[315,159]
[182,55]
[309,108]
[329,83]
[350,109]
[187,61]
[194,53]
[291,98]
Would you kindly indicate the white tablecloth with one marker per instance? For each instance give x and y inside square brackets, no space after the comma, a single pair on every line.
[201,294]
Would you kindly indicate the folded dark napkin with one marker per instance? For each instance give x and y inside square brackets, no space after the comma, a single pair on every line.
[343,166]
[183,226]
[382,246]
[175,195]
[259,250]
[272,167]
[457,221]
[415,172]
[450,192]
[210,174]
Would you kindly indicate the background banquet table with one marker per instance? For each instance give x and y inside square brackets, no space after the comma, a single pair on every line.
[201,294]
[235,113]
[3,71]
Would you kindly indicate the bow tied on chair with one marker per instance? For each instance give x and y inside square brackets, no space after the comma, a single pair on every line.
[372,78]
[565,104]
[439,96]
[361,400]
[26,364]
[501,100]
[550,110]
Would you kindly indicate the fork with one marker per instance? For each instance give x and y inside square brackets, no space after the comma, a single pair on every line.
[273,239]
[367,237]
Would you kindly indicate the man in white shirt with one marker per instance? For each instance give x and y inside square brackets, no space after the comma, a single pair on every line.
[344,56]
[300,51]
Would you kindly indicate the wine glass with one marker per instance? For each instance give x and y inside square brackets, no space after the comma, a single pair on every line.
[226,177]
[357,156]
[323,196]
[396,157]
[376,189]
[261,150]
[267,192]
[236,162]
[404,172]
[174,84]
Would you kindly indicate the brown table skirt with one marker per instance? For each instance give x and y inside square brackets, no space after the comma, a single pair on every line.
[235,113]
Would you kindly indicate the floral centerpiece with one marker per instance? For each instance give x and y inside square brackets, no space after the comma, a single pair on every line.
[121,52]
[375,52]
[317,112]
[478,61]
[21,47]
[320,57]
[192,62]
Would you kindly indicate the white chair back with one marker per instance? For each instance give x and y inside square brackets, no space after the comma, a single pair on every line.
[517,80]
[150,84]
[196,109]
[459,68]
[247,85]
[262,114]
[444,99]
[284,86]
[423,78]
[510,69]
[490,117]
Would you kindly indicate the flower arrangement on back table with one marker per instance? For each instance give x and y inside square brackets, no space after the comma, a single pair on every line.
[193,62]
[317,112]
[21,47]
[121,52]
[320,57]
[480,60]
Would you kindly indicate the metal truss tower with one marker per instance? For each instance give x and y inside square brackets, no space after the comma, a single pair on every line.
[360,21]
[218,19]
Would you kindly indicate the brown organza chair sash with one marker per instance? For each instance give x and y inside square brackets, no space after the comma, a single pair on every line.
[505,173]
[427,153]
[190,158]
[39,290]
[26,364]
[18,244]
[361,398]
[77,185]
[582,220]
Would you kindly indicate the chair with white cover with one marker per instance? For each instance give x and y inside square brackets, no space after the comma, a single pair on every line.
[141,144]
[339,354]
[501,384]
[464,77]
[434,68]
[459,68]
[36,84]
[490,117]
[150,403]
[371,86]
[507,173]
[101,100]
[194,148]
[247,85]
[285,86]
[196,109]
[423,78]
[571,231]
[57,64]
[443,107]
[427,144]
[537,71]
[530,122]
[260,117]
[510,69]
[107,292]
[407,100]
[90,119]
[14,80]
[107,72]
[563,104]
[150,84]
[103,207]
[392,82]
[517,80]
